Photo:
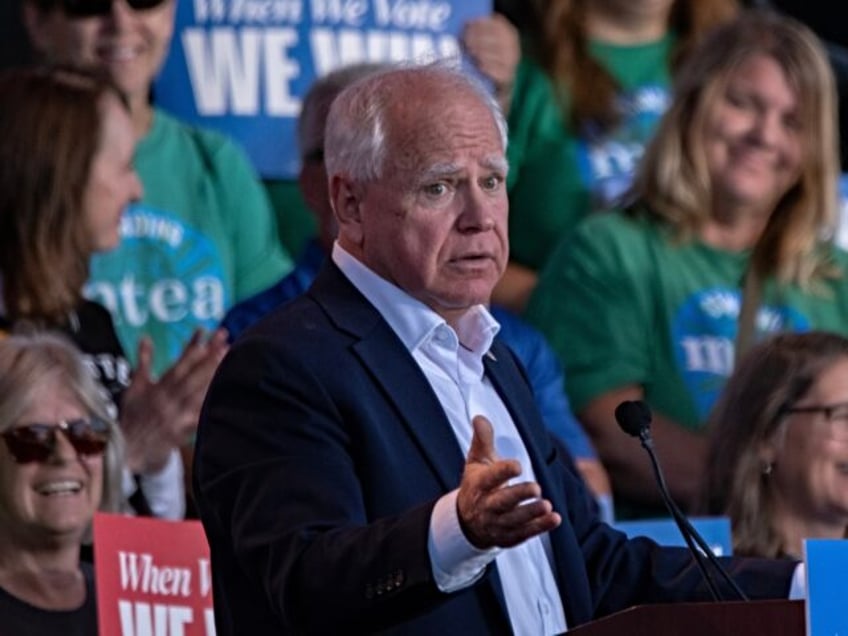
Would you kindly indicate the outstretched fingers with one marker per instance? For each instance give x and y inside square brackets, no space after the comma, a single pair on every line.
[493,512]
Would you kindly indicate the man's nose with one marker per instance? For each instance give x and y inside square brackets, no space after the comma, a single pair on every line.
[479,209]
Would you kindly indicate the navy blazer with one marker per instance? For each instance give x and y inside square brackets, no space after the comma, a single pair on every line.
[321,452]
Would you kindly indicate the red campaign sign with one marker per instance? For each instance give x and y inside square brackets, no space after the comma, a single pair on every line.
[153,577]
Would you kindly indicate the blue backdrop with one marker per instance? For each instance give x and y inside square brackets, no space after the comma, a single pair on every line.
[243,66]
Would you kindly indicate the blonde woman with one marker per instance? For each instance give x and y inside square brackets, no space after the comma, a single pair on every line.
[60,461]
[725,241]
[583,101]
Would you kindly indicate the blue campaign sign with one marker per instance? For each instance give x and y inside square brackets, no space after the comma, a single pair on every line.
[827,594]
[715,530]
[243,66]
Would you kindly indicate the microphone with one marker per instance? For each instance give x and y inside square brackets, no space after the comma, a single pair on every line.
[634,418]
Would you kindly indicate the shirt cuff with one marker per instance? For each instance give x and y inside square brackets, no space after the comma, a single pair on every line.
[798,586]
[456,563]
[165,490]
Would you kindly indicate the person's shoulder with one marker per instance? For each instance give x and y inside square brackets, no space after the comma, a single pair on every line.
[532,85]
[172,130]
[93,313]
[615,222]
[251,310]
[837,253]
[519,335]
[298,334]
[296,323]
[610,245]
[164,122]
[614,230]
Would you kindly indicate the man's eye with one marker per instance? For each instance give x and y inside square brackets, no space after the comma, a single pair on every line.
[491,182]
[436,189]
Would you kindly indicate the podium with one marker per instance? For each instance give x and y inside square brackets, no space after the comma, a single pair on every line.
[776,618]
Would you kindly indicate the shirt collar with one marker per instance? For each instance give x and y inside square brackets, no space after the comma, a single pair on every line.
[413,321]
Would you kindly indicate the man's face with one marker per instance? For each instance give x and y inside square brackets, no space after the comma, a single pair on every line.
[435,223]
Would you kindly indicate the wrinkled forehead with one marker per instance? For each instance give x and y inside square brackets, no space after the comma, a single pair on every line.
[442,129]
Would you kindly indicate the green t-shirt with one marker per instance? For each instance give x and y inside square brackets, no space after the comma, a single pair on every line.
[202,237]
[557,176]
[623,304]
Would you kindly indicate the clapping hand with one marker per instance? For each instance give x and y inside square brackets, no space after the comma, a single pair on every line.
[493,45]
[158,416]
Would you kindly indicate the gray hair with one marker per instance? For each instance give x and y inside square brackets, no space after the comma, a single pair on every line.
[355,137]
[319,98]
[27,362]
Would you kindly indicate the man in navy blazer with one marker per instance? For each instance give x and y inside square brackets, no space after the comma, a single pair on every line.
[369,457]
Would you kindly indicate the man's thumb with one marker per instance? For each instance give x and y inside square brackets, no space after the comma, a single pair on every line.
[482,442]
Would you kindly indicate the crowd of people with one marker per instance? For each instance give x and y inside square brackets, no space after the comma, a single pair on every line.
[411,425]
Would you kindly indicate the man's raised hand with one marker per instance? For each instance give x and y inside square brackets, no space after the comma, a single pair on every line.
[493,513]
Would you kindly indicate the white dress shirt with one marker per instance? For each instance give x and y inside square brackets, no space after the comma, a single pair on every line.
[452,361]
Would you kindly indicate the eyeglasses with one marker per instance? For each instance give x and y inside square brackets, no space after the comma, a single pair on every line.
[36,442]
[91,8]
[835,415]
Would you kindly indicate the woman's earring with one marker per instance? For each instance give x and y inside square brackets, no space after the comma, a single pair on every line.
[767,468]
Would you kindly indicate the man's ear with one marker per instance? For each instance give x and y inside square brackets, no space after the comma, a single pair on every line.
[347,198]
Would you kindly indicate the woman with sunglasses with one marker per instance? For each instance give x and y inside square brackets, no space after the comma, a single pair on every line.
[60,461]
[779,454]
[202,236]
[66,175]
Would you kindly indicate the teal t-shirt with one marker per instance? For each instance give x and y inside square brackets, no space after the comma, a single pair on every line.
[557,175]
[623,304]
[202,237]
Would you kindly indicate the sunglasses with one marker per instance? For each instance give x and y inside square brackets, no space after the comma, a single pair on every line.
[36,442]
[90,8]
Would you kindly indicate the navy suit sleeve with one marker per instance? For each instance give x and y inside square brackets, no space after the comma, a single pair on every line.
[282,503]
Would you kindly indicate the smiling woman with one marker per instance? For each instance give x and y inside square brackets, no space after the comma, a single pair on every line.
[66,177]
[724,241]
[779,456]
[60,461]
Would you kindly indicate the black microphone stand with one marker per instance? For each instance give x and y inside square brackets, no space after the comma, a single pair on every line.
[640,411]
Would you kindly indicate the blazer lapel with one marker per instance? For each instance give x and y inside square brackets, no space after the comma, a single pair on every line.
[505,375]
[394,370]
[406,387]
